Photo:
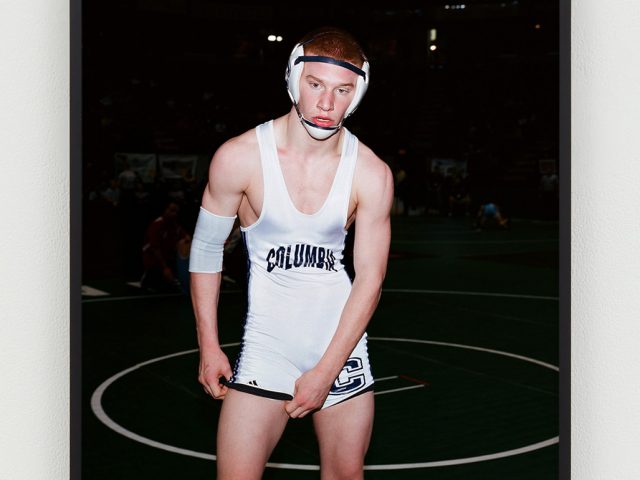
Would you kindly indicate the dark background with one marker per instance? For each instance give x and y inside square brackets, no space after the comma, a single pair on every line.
[183,76]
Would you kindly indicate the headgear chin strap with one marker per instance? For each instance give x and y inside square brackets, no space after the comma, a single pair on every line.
[294,74]
[316,131]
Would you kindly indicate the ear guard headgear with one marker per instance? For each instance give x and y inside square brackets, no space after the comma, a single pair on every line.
[294,74]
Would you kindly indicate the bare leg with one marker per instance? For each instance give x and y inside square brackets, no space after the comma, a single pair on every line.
[344,432]
[248,430]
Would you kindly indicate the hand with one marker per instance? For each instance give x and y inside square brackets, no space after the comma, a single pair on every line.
[214,364]
[310,392]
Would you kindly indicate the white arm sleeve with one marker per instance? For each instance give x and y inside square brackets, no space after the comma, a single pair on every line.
[207,245]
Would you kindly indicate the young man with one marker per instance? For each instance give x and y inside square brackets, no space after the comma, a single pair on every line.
[297,183]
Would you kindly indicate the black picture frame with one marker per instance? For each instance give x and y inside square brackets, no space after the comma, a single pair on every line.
[76,171]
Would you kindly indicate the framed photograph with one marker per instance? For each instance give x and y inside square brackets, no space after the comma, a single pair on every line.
[468,107]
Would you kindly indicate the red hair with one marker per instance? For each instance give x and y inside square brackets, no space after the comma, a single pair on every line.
[335,43]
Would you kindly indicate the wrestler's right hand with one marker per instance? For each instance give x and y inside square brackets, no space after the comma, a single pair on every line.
[214,364]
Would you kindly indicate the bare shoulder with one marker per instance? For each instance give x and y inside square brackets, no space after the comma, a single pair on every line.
[237,158]
[373,177]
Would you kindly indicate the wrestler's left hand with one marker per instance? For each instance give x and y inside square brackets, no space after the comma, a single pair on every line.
[309,393]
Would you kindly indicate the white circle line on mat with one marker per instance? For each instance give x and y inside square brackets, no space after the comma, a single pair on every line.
[98,410]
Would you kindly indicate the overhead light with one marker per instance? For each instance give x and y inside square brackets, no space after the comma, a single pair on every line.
[433,48]
[279,38]
[433,34]
[271,38]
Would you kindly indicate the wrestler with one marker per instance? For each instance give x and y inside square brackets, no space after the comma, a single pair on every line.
[297,183]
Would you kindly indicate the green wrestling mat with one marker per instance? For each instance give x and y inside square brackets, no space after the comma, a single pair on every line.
[464,347]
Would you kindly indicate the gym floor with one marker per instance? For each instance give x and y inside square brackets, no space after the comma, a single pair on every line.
[464,347]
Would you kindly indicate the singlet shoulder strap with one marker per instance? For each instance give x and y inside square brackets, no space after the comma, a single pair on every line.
[268,159]
[349,158]
[344,178]
[266,141]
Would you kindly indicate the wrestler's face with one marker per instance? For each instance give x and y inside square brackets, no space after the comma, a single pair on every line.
[326,92]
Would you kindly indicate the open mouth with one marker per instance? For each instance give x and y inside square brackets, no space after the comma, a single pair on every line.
[322,121]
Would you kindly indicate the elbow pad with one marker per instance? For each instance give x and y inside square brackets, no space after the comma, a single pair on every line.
[207,245]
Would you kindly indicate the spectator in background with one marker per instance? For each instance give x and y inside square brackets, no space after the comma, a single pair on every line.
[127,180]
[160,251]
[131,230]
[490,212]
[110,193]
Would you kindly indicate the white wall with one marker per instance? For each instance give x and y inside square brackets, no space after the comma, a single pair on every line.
[34,193]
[606,239]
[34,239]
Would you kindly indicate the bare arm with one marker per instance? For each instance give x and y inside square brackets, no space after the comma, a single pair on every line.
[228,181]
[374,191]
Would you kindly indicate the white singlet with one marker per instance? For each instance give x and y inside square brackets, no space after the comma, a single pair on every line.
[297,285]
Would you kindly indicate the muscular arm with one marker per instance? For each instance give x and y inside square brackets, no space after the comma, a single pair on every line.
[228,181]
[374,194]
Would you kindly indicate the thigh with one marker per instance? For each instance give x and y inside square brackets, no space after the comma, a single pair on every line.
[344,432]
[248,430]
